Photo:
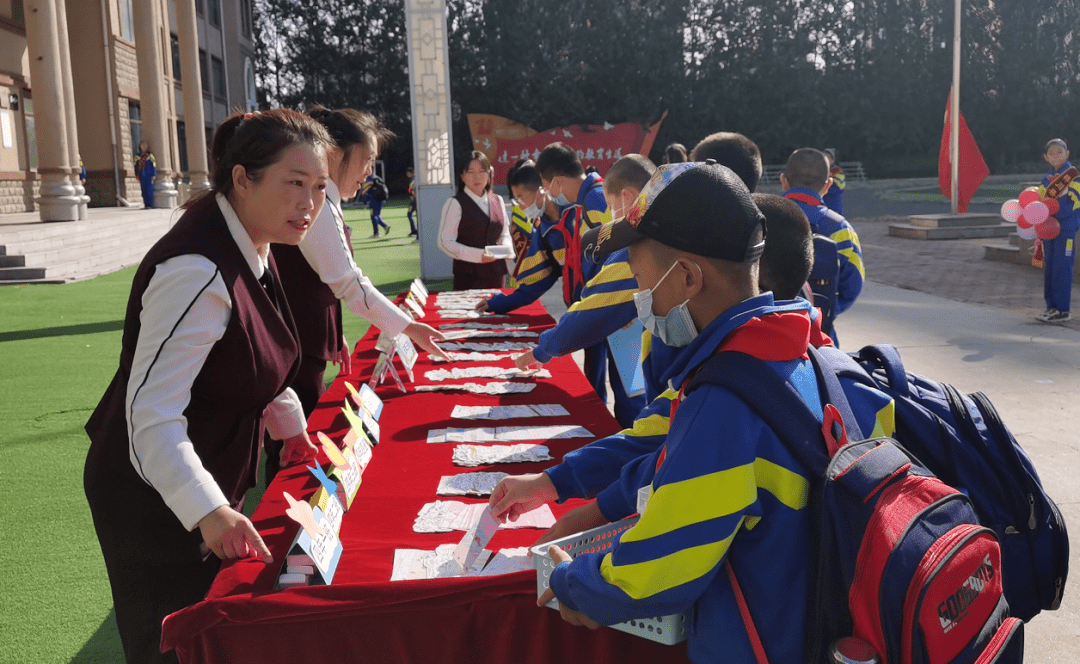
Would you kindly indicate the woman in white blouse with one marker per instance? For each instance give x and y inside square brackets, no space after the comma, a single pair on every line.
[208,352]
[320,273]
[474,230]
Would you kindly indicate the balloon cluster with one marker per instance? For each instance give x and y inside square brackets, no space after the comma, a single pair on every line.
[1033,215]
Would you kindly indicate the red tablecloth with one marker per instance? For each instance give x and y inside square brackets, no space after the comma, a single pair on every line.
[364,616]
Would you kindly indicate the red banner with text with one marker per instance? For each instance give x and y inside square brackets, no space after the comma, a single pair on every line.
[505,141]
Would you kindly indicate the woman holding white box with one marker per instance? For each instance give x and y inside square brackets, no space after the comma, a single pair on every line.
[474,230]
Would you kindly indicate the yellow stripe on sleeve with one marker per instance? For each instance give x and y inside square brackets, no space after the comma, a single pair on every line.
[559,255]
[845,234]
[653,425]
[529,262]
[855,259]
[645,579]
[601,300]
[646,345]
[533,277]
[612,272]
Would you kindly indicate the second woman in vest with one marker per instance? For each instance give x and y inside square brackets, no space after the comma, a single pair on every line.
[473,220]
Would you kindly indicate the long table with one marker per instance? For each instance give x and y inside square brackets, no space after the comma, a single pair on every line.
[363,616]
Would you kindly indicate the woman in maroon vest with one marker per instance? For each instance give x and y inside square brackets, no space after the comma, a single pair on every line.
[208,352]
[320,273]
[473,220]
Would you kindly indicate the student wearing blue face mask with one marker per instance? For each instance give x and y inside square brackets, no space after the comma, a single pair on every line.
[722,489]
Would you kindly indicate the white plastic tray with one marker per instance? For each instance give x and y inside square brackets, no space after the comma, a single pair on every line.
[668,630]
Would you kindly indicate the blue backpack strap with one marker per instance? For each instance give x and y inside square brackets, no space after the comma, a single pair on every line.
[887,358]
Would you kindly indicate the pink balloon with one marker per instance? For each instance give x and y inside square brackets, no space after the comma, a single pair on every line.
[1026,233]
[1049,229]
[1029,196]
[1022,221]
[1036,213]
[1011,210]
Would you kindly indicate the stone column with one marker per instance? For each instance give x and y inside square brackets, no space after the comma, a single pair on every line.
[57,200]
[69,106]
[193,101]
[433,149]
[152,99]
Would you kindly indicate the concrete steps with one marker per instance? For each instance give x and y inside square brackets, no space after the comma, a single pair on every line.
[1018,252]
[952,227]
[56,252]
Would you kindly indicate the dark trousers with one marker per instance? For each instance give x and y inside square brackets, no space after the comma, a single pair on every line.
[597,361]
[376,217]
[309,386]
[411,214]
[152,574]
[1059,255]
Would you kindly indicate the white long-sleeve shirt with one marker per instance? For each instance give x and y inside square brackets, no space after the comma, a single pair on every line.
[185,311]
[451,219]
[330,255]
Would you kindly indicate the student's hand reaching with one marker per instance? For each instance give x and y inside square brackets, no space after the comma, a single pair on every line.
[526,360]
[229,534]
[298,449]
[425,337]
[575,521]
[515,495]
[576,618]
[482,306]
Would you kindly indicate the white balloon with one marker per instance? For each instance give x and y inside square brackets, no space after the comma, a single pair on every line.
[1026,233]
[1010,210]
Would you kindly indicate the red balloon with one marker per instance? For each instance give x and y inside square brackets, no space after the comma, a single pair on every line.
[1023,222]
[1028,196]
[1049,229]
[1052,205]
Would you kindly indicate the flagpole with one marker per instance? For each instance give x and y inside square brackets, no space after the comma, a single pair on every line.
[954,113]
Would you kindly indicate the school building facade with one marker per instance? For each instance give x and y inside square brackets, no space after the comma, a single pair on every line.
[90,79]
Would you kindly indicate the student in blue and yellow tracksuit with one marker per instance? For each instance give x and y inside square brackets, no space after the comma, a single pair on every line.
[593,471]
[805,178]
[694,252]
[562,176]
[1062,183]
[606,303]
[834,197]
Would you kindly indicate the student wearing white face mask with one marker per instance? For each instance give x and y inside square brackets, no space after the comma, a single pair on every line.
[321,273]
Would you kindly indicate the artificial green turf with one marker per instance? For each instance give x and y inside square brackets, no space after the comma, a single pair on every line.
[59,346]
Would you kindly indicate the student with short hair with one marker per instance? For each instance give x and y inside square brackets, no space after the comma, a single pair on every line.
[805,179]
[1062,183]
[208,353]
[523,215]
[675,153]
[834,197]
[735,151]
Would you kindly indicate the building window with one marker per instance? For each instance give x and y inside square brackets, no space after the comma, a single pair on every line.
[249,86]
[135,124]
[198,7]
[203,71]
[31,133]
[181,140]
[245,18]
[176,57]
[218,69]
[127,21]
[213,8]
[18,15]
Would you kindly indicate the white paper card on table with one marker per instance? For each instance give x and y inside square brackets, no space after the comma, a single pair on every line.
[472,325]
[495,387]
[363,422]
[407,311]
[415,307]
[625,345]
[384,343]
[484,455]
[358,442]
[371,401]
[412,564]
[421,289]
[407,352]
[469,484]
[468,550]
[508,561]
[474,357]
[444,516]
[346,470]
[316,538]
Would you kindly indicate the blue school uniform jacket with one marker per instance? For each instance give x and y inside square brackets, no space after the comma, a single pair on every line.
[824,221]
[546,259]
[723,486]
[1069,213]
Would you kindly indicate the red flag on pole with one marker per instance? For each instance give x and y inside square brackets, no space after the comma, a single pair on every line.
[973,169]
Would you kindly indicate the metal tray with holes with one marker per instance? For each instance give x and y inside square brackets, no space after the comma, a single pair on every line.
[668,630]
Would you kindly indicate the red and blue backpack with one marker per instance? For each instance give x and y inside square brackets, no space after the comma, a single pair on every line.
[899,557]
